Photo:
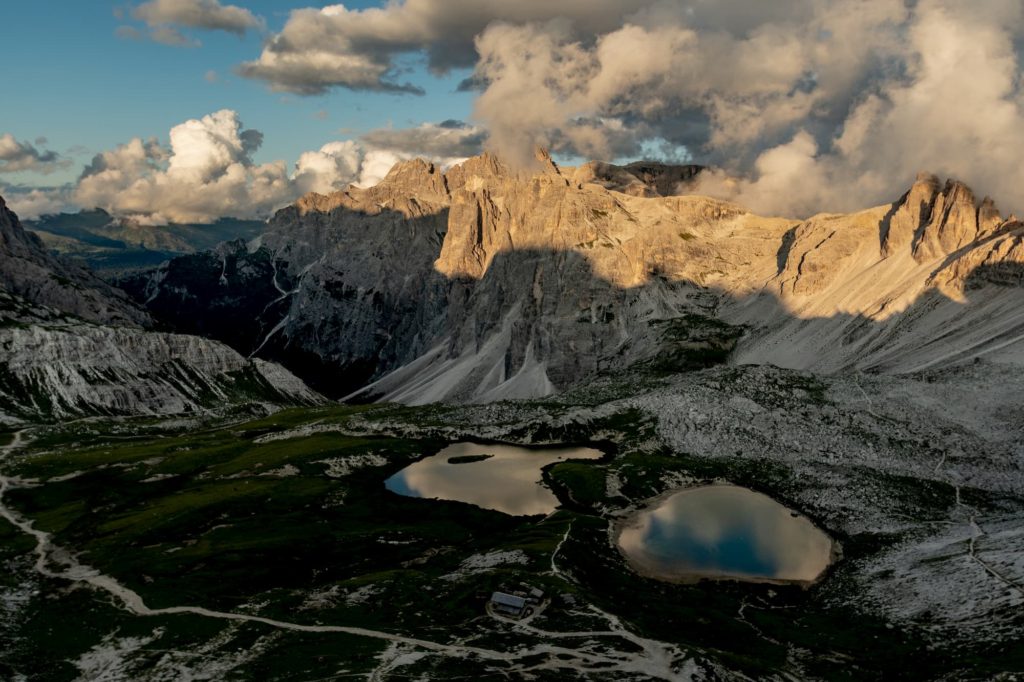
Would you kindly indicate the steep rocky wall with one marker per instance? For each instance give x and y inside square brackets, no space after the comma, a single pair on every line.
[49,372]
[71,345]
[27,269]
[487,282]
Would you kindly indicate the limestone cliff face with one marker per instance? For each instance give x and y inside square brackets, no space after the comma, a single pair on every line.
[28,269]
[365,291]
[944,287]
[488,282]
[936,222]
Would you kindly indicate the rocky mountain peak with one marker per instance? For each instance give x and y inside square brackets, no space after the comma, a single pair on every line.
[911,213]
[487,281]
[414,177]
[414,187]
[27,269]
[953,224]
[639,179]
[477,170]
[989,219]
[934,220]
[315,202]
[545,164]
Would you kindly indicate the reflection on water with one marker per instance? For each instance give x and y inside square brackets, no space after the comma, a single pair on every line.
[724,531]
[509,480]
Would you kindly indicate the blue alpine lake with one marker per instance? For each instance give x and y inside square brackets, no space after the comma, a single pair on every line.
[724,532]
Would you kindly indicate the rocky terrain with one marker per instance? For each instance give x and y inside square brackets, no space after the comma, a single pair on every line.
[27,269]
[59,367]
[484,282]
[331,574]
[928,500]
[72,345]
[862,369]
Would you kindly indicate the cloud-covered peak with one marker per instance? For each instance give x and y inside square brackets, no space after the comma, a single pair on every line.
[812,104]
[445,140]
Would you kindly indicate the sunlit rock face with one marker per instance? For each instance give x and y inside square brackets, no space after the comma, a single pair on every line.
[486,281]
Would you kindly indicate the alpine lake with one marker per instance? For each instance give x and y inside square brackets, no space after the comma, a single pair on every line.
[324,518]
[716,532]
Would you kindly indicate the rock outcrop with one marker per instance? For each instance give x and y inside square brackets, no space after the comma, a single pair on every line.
[54,373]
[72,345]
[935,223]
[486,282]
[27,269]
[54,366]
[640,179]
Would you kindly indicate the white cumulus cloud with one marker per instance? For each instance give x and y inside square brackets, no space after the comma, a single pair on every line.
[207,171]
[33,202]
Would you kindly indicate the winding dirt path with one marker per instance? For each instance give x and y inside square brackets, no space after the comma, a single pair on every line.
[658,660]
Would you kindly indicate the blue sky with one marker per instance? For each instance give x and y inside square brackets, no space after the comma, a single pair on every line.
[70,79]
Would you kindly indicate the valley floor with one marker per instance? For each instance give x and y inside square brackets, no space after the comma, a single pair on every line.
[268,548]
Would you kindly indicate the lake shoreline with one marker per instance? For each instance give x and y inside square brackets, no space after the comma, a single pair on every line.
[507,478]
[646,567]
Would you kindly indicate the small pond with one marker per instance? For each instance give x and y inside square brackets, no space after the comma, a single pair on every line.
[506,478]
[724,532]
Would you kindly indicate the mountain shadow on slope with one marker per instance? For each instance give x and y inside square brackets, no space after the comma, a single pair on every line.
[487,282]
[541,320]
[251,297]
[29,270]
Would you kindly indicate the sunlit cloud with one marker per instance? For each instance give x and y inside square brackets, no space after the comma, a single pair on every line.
[23,156]
[207,170]
[165,19]
[837,103]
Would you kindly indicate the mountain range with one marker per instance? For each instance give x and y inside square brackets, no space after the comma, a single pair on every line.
[863,369]
[487,282]
[112,245]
